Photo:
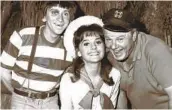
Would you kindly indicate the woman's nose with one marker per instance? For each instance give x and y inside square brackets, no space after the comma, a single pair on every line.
[93,46]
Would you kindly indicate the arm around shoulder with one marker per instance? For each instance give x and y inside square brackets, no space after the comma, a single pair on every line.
[115,74]
[120,95]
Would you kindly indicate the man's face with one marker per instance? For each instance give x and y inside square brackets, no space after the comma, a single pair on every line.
[119,43]
[57,19]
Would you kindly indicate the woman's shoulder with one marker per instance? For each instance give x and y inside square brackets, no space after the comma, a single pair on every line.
[66,77]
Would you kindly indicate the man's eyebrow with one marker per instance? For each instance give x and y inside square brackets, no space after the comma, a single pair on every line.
[121,36]
[54,9]
[110,36]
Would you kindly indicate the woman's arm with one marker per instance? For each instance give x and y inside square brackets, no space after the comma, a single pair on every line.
[65,92]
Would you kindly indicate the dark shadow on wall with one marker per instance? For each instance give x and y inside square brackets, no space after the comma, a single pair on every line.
[79,11]
[140,26]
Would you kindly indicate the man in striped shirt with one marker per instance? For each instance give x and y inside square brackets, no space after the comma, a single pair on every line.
[38,89]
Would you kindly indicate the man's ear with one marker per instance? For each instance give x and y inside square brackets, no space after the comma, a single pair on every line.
[134,34]
[44,19]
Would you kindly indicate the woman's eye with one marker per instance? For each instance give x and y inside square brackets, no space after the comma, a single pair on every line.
[86,44]
[98,42]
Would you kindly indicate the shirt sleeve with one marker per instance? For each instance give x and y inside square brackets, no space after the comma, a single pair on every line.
[65,92]
[116,78]
[11,51]
[159,57]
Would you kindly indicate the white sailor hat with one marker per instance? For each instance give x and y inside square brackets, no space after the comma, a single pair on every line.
[73,27]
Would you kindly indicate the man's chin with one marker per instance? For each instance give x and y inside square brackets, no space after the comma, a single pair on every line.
[59,32]
[118,57]
[121,59]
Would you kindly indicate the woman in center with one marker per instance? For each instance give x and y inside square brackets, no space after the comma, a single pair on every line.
[90,82]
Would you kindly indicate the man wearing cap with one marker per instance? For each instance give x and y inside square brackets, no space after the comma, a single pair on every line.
[35,86]
[144,61]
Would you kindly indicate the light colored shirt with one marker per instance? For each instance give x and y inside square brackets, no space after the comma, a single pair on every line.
[151,73]
[72,93]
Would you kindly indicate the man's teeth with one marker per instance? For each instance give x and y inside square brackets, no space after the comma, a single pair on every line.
[59,25]
[94,53]
[116,51]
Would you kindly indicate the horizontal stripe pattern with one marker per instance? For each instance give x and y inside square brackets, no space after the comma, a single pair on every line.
[16,40]
[6,66]
[34,75]
[54,64]
[28,40]
[7,59]
[27,31]
[48,64]
[11,50]
[44,51]
[33,84]
[22,66]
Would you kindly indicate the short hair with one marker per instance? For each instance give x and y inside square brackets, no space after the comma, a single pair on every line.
[70,5]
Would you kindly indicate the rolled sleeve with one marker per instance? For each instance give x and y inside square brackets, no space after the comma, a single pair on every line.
[10,53]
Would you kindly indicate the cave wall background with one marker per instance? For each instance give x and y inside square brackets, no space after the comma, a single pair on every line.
[156,16]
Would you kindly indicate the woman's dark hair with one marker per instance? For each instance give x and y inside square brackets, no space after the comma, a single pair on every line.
[78,63]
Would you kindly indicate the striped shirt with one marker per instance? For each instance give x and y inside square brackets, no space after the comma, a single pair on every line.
[49,62]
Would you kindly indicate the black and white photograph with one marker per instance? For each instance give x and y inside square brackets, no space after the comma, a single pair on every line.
[95,55]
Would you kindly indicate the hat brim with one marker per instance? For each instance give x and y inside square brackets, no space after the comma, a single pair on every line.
[73,26]
[116,25]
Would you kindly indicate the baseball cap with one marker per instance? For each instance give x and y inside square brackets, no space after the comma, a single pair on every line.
[118,20]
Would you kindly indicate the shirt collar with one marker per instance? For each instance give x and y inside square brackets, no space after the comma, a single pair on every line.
[138,50]
[43,37]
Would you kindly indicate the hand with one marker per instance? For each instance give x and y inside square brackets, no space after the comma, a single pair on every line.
[115,74]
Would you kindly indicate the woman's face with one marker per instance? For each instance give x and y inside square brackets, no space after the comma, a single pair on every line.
[92,48]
